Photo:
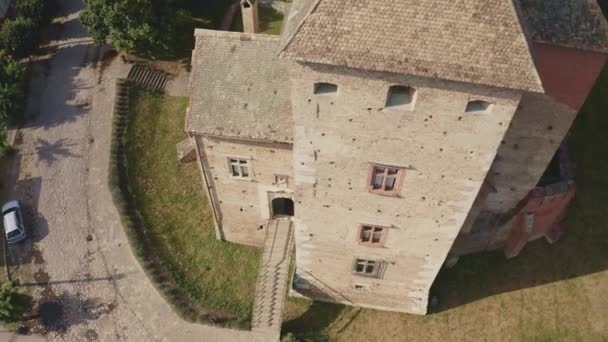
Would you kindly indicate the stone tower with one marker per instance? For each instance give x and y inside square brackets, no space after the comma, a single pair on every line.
[392,148]
[251,20]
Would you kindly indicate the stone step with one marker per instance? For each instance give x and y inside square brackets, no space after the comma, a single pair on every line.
[271,288]
[147,78]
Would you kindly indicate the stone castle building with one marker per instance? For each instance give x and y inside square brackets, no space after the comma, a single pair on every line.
[395,135]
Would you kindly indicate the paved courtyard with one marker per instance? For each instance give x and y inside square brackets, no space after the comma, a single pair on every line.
[86,283]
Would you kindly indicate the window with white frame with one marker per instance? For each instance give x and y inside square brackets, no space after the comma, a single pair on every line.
[385,180]
[367,268]
[239,167]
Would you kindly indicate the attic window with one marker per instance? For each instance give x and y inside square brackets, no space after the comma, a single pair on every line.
[401,97]
[323,88]
[478,106]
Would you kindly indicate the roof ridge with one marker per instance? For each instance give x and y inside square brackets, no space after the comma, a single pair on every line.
[235,35]
[474,41]
[300,24]
[527,36]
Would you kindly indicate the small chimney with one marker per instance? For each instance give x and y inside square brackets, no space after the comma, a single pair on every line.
[249,12]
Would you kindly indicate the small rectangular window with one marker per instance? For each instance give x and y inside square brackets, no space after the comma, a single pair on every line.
[385,180]
[324,88]
[239,168]
[478,107]
[361,288]
[281,180]
[401,97]
[372,235]
[367,268]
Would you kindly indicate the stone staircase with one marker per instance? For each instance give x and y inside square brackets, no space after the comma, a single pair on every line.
[148,78]
[271,288]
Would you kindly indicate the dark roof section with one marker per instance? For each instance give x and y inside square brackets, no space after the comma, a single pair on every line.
[577,24]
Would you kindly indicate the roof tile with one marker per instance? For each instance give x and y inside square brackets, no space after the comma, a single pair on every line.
[239,87]
[467,40]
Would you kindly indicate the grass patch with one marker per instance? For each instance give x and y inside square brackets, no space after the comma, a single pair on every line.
[201,14]
[271,21]
[175,213]
[209,15]
[548,293]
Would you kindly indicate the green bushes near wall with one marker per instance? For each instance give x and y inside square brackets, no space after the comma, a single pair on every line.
[20,33]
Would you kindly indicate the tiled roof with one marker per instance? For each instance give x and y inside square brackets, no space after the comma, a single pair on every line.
[476,41]
[239,87]
[572,23]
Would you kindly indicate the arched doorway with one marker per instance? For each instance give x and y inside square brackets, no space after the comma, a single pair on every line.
[282,207]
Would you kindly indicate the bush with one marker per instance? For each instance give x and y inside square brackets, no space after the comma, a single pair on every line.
[12,94]
[13,304]
[35,10]
[17,36]
[152,28]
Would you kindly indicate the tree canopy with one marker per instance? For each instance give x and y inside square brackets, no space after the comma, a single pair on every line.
[147,27]
[12,94]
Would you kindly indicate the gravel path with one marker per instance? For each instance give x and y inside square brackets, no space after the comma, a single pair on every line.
[87,285]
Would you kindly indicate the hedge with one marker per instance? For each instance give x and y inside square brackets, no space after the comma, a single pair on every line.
[20,33]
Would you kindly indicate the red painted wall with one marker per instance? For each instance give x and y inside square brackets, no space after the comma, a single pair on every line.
[567,74]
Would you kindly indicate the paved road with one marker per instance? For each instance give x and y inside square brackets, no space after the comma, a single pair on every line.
[86,283]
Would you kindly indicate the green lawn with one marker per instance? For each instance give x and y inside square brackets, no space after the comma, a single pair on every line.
[209,15]
[170,198]
[271,21]
[548,293]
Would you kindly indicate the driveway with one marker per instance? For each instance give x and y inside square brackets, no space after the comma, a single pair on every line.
[85,281]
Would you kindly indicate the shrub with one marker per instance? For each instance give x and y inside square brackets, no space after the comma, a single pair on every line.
[12,94]
[13,304]
[148,27]
[17,36]
[35,10]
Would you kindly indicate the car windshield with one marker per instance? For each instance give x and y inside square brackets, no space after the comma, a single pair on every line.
[8,211]
[13,234]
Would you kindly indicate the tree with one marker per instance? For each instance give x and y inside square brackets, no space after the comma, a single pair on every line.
[17,36]
[12,94]
[36,10]
[148,27]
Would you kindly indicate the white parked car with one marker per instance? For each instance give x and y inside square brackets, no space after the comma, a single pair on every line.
[13,222]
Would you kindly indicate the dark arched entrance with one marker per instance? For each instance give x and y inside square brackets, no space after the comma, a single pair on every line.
[282,207]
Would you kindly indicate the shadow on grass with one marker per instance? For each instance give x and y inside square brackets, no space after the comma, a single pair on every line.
[312,323]
[271,21]
[583,250]
[206,14]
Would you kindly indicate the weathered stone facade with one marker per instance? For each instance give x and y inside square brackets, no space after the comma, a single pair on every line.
[245,204]
[309,127]
[446,154]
